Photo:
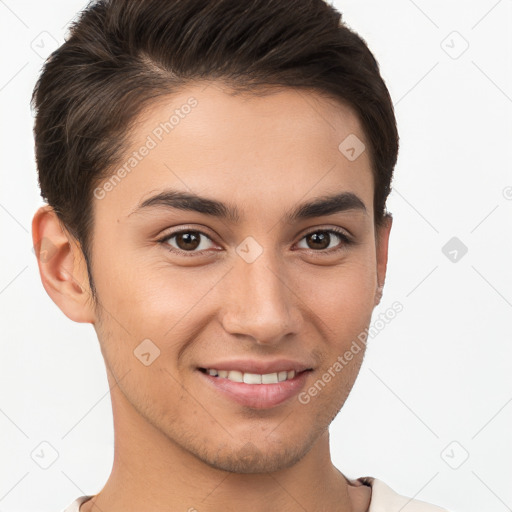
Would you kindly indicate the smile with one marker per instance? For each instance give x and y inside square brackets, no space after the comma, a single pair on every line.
[272,389]
[250,378]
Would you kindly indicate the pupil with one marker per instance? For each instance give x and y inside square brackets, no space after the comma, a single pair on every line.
[322,237]
[186,238]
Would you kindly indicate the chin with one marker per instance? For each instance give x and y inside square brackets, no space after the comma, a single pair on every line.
[251,459]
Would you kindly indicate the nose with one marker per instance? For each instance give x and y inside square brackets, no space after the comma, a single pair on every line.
[261,302]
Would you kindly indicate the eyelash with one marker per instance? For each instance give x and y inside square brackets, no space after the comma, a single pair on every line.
[338,232]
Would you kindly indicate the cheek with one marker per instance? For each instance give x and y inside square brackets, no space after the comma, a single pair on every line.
[341,296]
[144,298]
[168,306]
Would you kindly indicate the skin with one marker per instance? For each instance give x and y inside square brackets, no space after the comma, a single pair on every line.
[180,445]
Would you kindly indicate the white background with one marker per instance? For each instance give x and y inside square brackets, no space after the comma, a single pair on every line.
[435,386]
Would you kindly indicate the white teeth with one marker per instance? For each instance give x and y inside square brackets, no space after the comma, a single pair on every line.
[252,378]
[236,376]
[269,378]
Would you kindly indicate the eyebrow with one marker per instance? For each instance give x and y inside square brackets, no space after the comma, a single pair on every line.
[325,205]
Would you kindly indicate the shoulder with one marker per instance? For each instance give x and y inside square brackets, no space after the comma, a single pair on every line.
[385,499]
[75,506]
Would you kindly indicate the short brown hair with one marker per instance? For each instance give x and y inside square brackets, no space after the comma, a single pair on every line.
[119,55]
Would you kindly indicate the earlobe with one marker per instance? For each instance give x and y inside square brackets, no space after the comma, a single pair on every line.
[382,244]
[61,266]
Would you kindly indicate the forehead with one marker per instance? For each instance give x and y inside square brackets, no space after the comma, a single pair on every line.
[270,149]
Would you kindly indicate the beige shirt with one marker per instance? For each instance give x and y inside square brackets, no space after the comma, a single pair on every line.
[383,499]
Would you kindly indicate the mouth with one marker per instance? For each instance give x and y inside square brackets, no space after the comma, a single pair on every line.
[252,378]
[258,391]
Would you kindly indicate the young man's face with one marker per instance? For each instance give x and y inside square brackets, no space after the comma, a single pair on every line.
[252,289]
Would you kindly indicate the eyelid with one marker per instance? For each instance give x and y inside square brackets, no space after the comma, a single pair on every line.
[183,229]
[336,229]
[346,239]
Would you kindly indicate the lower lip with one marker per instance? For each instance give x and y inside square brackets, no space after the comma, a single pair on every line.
[258,396]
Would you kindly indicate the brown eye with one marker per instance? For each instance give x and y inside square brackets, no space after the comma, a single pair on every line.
[320,240]
[187,241]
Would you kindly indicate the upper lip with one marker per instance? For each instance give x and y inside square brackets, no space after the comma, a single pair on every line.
[262,367]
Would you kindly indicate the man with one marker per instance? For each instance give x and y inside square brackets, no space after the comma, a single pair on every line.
[216,176]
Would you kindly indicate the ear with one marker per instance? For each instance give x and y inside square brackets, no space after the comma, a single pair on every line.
[62,266]
[381,244]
